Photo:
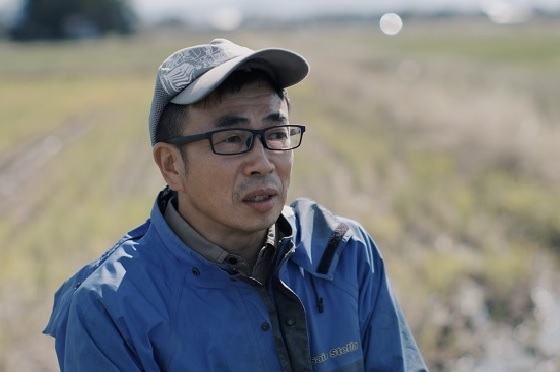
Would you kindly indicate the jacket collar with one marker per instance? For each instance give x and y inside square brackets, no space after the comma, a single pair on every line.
[317,235]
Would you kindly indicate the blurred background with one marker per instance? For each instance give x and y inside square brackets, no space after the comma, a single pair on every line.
[436,124]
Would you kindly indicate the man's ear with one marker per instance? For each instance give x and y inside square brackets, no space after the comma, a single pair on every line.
[171,165]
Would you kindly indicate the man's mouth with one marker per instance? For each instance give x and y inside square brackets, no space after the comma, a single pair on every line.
[262,201]
[260,196]
[257,199]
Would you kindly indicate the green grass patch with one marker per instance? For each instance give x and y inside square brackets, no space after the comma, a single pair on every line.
[442,212]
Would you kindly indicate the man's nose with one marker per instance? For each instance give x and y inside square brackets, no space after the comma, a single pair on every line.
[259,155]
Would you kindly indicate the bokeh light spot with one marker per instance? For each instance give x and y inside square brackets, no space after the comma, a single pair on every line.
[390,24]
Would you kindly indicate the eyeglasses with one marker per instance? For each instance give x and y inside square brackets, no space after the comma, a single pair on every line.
[238,141]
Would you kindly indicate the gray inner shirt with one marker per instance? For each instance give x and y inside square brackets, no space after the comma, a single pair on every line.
[215,253]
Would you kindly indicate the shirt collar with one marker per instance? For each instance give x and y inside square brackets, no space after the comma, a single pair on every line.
[215,253]
[190,237]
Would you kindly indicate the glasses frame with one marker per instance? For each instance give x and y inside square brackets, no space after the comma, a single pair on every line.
[183,140]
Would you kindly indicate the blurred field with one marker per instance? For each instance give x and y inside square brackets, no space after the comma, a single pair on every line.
[442,141]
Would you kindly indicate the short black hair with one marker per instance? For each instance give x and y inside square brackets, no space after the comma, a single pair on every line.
[174,117]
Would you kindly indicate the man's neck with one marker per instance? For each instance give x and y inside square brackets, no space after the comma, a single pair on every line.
[248,248]
[245,245]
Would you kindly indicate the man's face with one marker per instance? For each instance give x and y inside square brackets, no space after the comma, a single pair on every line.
[227,197]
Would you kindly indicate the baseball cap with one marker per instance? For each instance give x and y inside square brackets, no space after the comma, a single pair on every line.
[190,74]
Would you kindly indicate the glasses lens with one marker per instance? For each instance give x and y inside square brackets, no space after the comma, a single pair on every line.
[237,141]
[233,141]
[283,137]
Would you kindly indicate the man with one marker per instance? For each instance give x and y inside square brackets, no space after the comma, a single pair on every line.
[224,276]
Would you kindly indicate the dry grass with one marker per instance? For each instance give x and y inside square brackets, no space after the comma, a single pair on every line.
[444,148]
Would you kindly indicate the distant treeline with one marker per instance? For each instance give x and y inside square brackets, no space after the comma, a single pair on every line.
[70,19]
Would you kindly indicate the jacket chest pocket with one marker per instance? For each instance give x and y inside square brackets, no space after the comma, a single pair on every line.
[220,330]
[333,324]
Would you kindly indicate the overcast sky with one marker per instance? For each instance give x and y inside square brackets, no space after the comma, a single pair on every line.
[201,9]
[292,8]
[288,8]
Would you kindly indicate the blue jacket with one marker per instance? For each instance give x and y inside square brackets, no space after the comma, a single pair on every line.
[152,304]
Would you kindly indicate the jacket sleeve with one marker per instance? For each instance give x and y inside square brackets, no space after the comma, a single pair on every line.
[93,339]
[387,341]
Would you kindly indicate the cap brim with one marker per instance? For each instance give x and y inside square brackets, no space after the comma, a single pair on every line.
[286,67]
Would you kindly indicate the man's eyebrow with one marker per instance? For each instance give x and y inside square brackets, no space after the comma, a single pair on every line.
[230,121]
[277,118]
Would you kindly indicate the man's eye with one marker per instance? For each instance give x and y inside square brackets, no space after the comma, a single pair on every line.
[278,135]
[232,139]
[229,137]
